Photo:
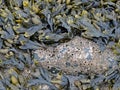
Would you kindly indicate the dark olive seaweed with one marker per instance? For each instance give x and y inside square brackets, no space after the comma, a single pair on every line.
[27,25]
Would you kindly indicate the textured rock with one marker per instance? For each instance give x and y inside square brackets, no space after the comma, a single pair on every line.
[79,55]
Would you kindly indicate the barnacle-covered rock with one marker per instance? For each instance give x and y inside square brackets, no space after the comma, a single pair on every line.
[79,55]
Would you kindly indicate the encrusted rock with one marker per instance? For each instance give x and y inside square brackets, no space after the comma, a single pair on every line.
[79,55]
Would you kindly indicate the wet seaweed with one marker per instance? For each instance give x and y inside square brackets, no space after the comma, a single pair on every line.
[27,25]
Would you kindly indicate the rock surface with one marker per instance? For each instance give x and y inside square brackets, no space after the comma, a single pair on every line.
[78,55]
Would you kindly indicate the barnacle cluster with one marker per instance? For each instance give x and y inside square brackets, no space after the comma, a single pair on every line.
[77,56]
